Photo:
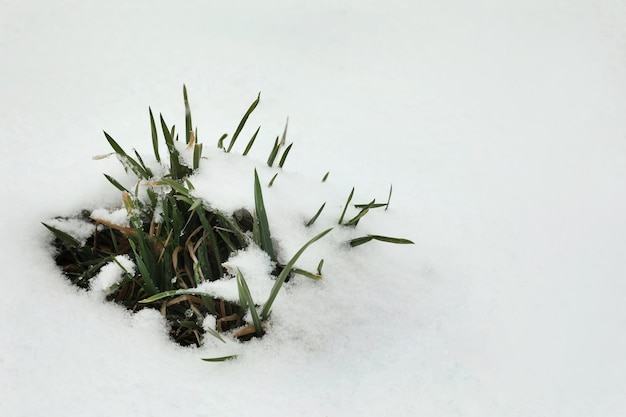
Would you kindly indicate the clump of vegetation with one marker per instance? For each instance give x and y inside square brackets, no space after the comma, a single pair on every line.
[178,241]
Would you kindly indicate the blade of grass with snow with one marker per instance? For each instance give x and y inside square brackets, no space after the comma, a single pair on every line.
[285,273]
[66,238]
[261,218]
[147,170]
[127,161]
[245,298]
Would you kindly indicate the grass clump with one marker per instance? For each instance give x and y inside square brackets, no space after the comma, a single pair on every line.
[177,241]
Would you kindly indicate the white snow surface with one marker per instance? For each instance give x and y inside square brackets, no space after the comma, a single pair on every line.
[501,126]
[116,216]
[112,273]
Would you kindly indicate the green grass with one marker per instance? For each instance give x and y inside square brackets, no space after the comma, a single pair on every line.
[178,241]
[263,235]
[242,123]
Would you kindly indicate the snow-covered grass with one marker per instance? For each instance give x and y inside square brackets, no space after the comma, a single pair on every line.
[187,245]
[500,125]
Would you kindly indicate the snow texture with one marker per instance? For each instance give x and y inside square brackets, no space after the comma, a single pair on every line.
[112,273]
[500,125]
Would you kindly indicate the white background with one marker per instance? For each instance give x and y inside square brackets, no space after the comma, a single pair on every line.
[500,124]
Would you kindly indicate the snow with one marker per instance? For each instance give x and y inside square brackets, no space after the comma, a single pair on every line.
[117,217]
[112,273]
[500,125]
[79,229]
[256,267]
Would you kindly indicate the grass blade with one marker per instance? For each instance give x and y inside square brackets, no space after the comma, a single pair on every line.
[285,273]
[215,334]
[355,220]
[311,275]
[176,186]
[310,222]
[147,170]
[319,267]
[251,142]
[220,141]
[175,166]
[127,161]
[343,213]
[170,293]
[243,122]
[116,147]
[261,218]
[246,299]
[230,225]
[155,137]
[389,198]
[361,240]
[197,154]
[115,183]
[284,157]
[284,138]
[396,240]
[375,205]
[274,153]
[220,359]
[147,281]
[188,126]
[325,176]
[66,238]
[272,180]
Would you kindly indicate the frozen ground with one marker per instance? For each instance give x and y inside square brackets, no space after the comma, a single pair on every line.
[500,124]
